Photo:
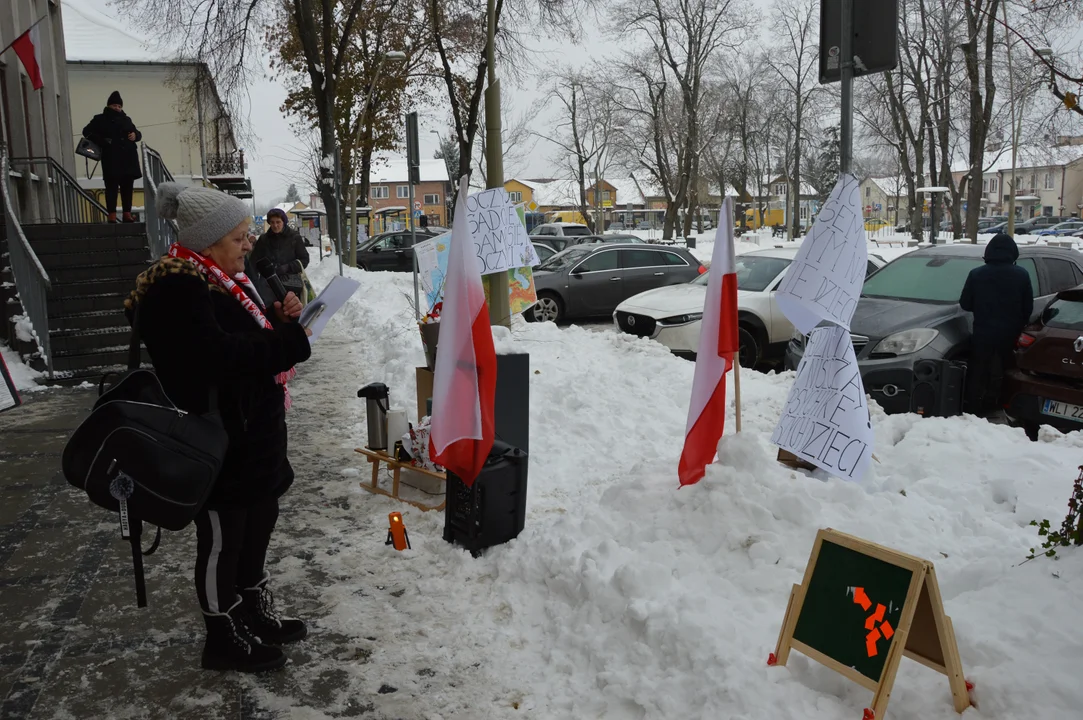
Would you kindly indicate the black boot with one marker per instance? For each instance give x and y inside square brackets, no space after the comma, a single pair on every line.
[264,621]
[230,646]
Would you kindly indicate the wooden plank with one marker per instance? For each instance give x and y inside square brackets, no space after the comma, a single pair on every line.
[391,462]
[887,681]
[420,506]
[785,633]
[949,648]
[834,665]
[865,547]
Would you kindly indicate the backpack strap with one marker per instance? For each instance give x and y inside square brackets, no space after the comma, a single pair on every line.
[134,359]
[137,562]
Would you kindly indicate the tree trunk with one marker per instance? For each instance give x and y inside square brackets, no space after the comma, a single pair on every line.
[981,108]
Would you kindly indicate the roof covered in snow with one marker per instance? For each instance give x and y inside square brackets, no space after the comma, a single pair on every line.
[392,168]
[1026,158]
[92,35]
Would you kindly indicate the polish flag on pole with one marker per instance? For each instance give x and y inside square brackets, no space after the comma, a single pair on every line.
[718,345]
[28,47]
[464,389]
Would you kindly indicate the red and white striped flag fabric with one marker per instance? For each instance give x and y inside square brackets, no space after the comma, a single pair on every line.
[718,345]
[464,389]
[28,47]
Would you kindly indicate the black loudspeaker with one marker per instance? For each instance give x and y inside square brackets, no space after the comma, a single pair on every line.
[493,510]
[511,411]
[938,388]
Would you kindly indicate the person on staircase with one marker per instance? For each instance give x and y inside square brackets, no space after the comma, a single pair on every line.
[115,133]
[209,331]
[286,248]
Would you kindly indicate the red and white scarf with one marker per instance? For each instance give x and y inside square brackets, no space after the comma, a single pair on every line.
[233,285]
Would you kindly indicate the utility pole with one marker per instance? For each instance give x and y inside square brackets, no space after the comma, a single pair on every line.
[846,68]
[499,308]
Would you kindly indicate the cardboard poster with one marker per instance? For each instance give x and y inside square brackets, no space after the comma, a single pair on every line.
[499,236]
[825,279]
[826,417]
[9,396]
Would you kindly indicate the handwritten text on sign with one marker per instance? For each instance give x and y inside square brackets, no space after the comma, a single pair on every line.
[500,240]
[824,282]
[826,417]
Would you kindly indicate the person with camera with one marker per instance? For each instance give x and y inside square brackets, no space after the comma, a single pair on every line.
[210,334]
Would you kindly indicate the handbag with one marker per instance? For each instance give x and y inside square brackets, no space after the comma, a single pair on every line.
[141,456]
[89,149]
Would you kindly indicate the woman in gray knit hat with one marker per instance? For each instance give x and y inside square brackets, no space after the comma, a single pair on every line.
[207,328]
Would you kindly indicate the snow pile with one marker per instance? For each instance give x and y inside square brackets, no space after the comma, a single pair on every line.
[626,598]
[25,378]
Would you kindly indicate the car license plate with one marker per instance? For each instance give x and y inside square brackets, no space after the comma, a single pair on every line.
[1062,410]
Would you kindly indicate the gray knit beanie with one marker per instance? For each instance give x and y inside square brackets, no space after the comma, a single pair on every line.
[204,216]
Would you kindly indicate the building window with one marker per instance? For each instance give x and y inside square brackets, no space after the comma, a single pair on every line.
[1047,211]
[380,192]
[402,191]
[992,185]
[1033,182]
[605,195]
[985,185]
[868,191]
[432,199]
[515,197]
[1049,181]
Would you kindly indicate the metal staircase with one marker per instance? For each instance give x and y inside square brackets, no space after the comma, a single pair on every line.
[64,274]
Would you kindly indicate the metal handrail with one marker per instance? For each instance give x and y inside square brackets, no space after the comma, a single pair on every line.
[161,233]
[70,202]
[31,281]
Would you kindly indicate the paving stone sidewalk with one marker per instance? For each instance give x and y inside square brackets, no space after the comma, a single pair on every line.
[73,644]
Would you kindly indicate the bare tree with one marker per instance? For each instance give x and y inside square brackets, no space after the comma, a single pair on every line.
[978,51]
[516,141]
[795,62]
[684,36]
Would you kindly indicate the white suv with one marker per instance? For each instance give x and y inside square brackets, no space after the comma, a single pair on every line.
[672,315]
[552,234]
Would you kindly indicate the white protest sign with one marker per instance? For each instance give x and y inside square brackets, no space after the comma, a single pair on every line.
[826,417]
[500,240]
[824,281]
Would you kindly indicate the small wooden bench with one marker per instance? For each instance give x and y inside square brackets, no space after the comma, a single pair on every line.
[377,458]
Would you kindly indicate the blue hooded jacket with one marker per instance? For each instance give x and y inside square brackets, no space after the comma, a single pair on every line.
[999,294]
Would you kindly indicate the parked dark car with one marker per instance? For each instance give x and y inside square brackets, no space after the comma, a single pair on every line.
[591,280]
[909,311]
[591,239]
[391,250]
[1031,226]
[1046,386]
[1062,229]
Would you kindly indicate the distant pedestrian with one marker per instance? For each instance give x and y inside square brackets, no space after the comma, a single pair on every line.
[1001,297]
[116,134]
[286,249]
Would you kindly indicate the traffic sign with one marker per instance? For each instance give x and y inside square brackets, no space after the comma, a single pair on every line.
[532,206]
[417,205]
[417,214]
[259,219]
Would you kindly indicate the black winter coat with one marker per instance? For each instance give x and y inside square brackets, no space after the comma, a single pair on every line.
[198,337]
[120,156]
[999,294]
[288,252]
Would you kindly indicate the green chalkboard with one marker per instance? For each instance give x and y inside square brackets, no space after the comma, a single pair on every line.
[842,601]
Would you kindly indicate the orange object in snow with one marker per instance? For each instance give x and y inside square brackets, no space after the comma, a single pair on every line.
[396,534]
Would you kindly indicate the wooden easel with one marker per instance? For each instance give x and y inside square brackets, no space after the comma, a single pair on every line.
[925,632]
[376,458]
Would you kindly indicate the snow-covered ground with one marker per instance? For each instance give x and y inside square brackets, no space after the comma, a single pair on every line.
[625,597]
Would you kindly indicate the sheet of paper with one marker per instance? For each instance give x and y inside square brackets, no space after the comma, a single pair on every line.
[316,314]
[501,242]
[9,396]
[824,281]
[826,417]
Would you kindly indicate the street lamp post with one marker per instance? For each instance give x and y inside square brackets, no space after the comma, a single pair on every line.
[499,307]
[396,56]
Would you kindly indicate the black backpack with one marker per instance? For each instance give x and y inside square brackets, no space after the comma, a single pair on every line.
[139,455]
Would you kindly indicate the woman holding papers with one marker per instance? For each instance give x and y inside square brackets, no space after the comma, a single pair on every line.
[211,335]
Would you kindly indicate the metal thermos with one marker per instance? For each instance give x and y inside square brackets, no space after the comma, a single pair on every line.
[377,398]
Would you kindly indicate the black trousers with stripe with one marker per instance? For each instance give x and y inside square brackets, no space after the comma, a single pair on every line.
[231,547]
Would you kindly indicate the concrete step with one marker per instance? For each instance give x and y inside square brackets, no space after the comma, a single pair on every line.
[93,320]
[96,258]
[105,286]
[84,341]
[73,231]
[63,246]
[106,358]
[77,304]
[100,273]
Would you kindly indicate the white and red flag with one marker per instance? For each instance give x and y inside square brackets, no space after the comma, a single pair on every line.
[718,346]
[28,47]
[464,388]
